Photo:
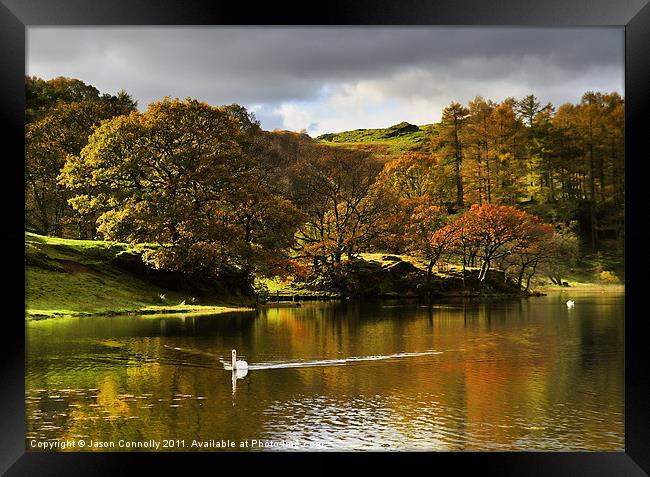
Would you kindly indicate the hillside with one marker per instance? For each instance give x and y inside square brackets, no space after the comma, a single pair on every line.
[86,277]
[385,143]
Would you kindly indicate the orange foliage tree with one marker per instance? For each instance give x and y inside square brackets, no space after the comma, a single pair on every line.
[427,234]
[501,230]
[490,234]
[335,189]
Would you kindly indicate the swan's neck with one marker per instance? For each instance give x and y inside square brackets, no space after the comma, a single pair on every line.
[234,359]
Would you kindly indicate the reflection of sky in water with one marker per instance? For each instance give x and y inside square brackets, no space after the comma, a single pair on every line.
[518,375]
[362,423]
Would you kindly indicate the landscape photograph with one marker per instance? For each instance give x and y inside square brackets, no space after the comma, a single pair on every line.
[316,239]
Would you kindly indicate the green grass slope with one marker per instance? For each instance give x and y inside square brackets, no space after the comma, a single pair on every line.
[384,143]
[83,277]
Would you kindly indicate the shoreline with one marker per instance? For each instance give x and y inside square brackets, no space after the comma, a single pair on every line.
[76,278]
[295,300]
[195,310]
[583,286]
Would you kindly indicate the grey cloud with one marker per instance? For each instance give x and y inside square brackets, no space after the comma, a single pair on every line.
[268,120]
[252,65]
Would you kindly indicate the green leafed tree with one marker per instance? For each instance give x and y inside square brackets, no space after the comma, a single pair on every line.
[63,130]
[183,176]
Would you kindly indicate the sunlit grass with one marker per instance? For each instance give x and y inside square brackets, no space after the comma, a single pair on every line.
[78,277]
[378,141]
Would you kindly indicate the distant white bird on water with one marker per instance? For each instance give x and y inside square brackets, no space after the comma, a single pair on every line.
[570,304]
[238,365]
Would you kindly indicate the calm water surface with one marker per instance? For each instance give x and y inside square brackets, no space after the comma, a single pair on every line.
[462,375]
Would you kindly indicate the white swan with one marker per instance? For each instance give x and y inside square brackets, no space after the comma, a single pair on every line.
[238,365]
[570,303]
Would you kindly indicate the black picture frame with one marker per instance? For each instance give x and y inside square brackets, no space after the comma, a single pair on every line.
[17,15]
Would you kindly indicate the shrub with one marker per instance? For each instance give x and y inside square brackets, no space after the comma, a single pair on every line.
[608,277]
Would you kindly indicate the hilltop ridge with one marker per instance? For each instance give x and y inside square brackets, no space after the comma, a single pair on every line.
[383,142]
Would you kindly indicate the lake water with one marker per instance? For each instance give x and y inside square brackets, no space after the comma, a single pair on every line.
[526,374]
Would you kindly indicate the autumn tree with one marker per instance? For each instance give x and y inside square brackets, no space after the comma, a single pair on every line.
[181,175]
[336,190]
[429,235]
[507,135]
[412,181]
[258,202]
[577,154]
[570,173]
[447,142]
[528,108]
[499,230]
[563,249]
[415,174]
[478,146]
[551,252]
[42,95]
[527,259]
[563,164]
[63,130]
[395,221]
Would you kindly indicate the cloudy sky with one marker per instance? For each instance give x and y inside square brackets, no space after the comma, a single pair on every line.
[334,79]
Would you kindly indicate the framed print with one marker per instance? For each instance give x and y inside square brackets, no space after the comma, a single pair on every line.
[241,235]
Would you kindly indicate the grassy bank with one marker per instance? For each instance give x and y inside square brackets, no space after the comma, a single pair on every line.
[87,277]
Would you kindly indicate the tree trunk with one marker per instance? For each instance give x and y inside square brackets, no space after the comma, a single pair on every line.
[520,277]
[487,172]
[485,267]
[457,165]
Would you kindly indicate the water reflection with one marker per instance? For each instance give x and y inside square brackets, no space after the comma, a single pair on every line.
[463,375]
